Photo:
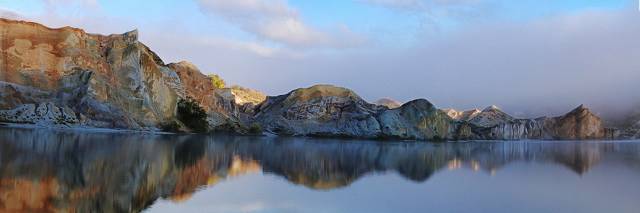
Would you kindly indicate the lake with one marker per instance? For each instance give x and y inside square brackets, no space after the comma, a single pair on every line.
[45,170]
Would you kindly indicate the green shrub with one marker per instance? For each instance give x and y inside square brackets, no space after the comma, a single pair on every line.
[192,115]
[255,128]
[217,81]
[171,126]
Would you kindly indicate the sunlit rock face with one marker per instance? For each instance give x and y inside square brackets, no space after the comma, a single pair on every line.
[114,80]
[242,95]
[321,110]
[247,99]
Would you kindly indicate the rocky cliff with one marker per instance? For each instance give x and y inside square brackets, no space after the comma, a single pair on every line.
[110,81]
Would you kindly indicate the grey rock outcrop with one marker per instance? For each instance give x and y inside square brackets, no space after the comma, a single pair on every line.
[418,120]
[45,114]
[321,110]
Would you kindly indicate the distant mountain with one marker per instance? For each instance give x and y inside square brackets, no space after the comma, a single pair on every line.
[491,116]
[388,102]
[462,115]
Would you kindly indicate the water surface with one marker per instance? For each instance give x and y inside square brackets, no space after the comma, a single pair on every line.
[52,170]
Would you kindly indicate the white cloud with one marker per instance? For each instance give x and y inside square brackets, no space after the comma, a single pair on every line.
[277,21]
[9,14]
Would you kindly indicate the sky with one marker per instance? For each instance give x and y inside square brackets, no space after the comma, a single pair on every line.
[529,57]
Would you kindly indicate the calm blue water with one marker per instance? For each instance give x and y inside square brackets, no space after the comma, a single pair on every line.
[60,171]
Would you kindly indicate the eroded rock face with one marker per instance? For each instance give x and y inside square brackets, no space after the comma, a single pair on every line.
[321,110]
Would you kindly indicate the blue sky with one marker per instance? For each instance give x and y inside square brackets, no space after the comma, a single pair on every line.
[456,53]
[376,21]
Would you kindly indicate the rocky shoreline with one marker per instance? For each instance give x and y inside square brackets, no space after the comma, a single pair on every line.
[69,78]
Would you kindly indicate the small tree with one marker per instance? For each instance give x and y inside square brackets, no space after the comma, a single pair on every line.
[192,115]
[217,81]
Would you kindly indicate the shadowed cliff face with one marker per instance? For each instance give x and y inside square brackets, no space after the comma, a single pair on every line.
[45,170]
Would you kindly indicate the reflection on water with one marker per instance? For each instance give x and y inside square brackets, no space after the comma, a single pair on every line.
[46,170]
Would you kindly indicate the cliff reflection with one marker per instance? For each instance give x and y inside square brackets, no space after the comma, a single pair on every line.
[51,171]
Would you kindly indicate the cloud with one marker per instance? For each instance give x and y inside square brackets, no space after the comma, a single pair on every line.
[436,16]
[276,21]
[541,67]
[430,6]
[9,14]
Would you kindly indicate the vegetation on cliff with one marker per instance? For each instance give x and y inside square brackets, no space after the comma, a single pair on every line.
[192,115]
[217,81]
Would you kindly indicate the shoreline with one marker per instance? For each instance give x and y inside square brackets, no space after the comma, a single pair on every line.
[85,129]
[81,129]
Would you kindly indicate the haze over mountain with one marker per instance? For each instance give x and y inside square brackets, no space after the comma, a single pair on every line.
[547,58]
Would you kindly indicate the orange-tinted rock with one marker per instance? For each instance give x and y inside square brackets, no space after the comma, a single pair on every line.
[112,81]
